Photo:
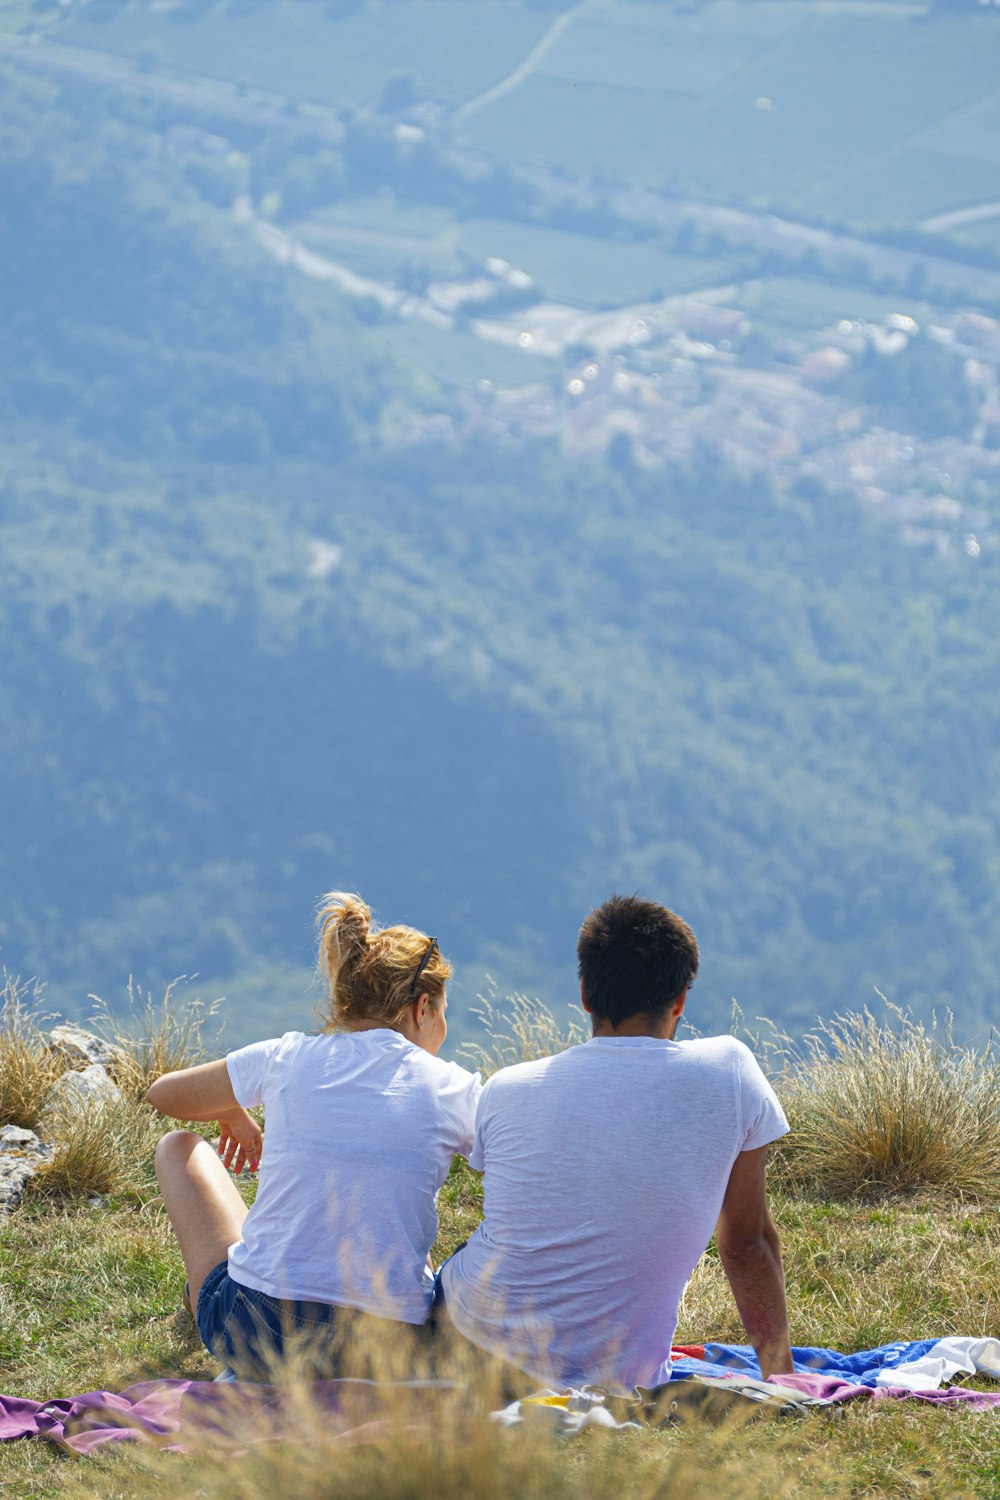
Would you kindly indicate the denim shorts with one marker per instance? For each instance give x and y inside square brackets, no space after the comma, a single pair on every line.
[252,1332]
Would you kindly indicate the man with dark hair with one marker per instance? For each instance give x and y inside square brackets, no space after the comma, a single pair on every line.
[606,1169]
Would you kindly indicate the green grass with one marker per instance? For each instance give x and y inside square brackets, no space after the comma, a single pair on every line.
[376,236]
[91,1296]
[90,1291]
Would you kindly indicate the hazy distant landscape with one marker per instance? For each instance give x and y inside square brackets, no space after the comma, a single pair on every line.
[488,454]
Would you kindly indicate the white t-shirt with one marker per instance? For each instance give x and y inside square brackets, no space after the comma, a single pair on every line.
[360,1131]
[605,1169]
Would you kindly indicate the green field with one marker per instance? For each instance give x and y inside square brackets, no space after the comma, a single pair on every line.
[451,49]
[869,115]
[584,271]
[856,104]
[379,257]
[789,306]
[378,236]
[462,358]
[897,188]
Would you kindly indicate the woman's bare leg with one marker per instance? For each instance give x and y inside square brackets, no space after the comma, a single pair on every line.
[202,1201]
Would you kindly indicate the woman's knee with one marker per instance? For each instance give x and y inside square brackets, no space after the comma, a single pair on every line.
[175,1148]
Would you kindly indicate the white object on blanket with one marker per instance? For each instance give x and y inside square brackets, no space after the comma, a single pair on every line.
[948,1357]
[571,1410]
[567,1412]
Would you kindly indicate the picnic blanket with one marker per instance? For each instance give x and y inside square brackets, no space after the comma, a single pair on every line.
[826,1378]
[900,1369]
[177,1413]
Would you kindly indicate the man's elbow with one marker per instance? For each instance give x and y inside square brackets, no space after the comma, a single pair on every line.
[747,1246]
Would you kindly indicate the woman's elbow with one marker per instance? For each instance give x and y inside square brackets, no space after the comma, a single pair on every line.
[158,1094]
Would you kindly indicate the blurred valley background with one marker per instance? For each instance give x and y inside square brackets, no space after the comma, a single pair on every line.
[488,453]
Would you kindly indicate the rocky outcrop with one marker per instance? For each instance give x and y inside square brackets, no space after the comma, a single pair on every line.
[91,1085]
[22,1152]
[79,1046]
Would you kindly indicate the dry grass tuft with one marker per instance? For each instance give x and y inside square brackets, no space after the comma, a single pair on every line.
[881,1107]
[28,1068]
[99,1147]
[155,1037]
[519,1029]
[399,1446]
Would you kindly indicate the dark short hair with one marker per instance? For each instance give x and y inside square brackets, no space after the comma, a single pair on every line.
[636,958]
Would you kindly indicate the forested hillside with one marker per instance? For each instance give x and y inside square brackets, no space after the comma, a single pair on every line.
[274,621]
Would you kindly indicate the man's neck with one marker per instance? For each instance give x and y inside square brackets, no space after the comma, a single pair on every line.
[662,1027]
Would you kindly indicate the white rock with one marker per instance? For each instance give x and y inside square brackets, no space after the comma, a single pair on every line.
[14,1173]
[21,1153]
[92,1086]
[81,1046]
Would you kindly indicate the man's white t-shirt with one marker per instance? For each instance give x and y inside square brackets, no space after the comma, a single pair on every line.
[605,1169]
[360,1129]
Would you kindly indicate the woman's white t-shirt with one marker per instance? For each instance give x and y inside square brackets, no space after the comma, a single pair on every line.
[360,1131]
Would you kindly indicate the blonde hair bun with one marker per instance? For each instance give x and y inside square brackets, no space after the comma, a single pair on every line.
[344,923]
[372,971]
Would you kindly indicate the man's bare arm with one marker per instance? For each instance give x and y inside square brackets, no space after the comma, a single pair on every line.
[751,1257]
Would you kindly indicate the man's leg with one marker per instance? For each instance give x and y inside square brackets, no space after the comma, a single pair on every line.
[203,1203]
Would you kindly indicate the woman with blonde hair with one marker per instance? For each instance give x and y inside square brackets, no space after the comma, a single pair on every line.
[362,1122]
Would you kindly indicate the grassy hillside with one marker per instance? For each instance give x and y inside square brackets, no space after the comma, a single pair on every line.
[91,1285]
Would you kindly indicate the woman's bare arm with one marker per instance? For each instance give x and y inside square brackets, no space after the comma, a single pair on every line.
[205,1092]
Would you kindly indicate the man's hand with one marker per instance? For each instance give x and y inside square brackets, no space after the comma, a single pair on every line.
[240,1140]
[751,1257]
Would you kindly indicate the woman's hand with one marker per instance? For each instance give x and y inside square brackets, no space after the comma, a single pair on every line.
[240,1140]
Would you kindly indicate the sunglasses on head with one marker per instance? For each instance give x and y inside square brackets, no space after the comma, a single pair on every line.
[422,965]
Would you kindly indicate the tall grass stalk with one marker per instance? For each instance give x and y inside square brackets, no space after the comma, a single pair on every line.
[154,1037]
[99,1147]
[882,1106]
[393,1443]
[518,1029]
[28,1067]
